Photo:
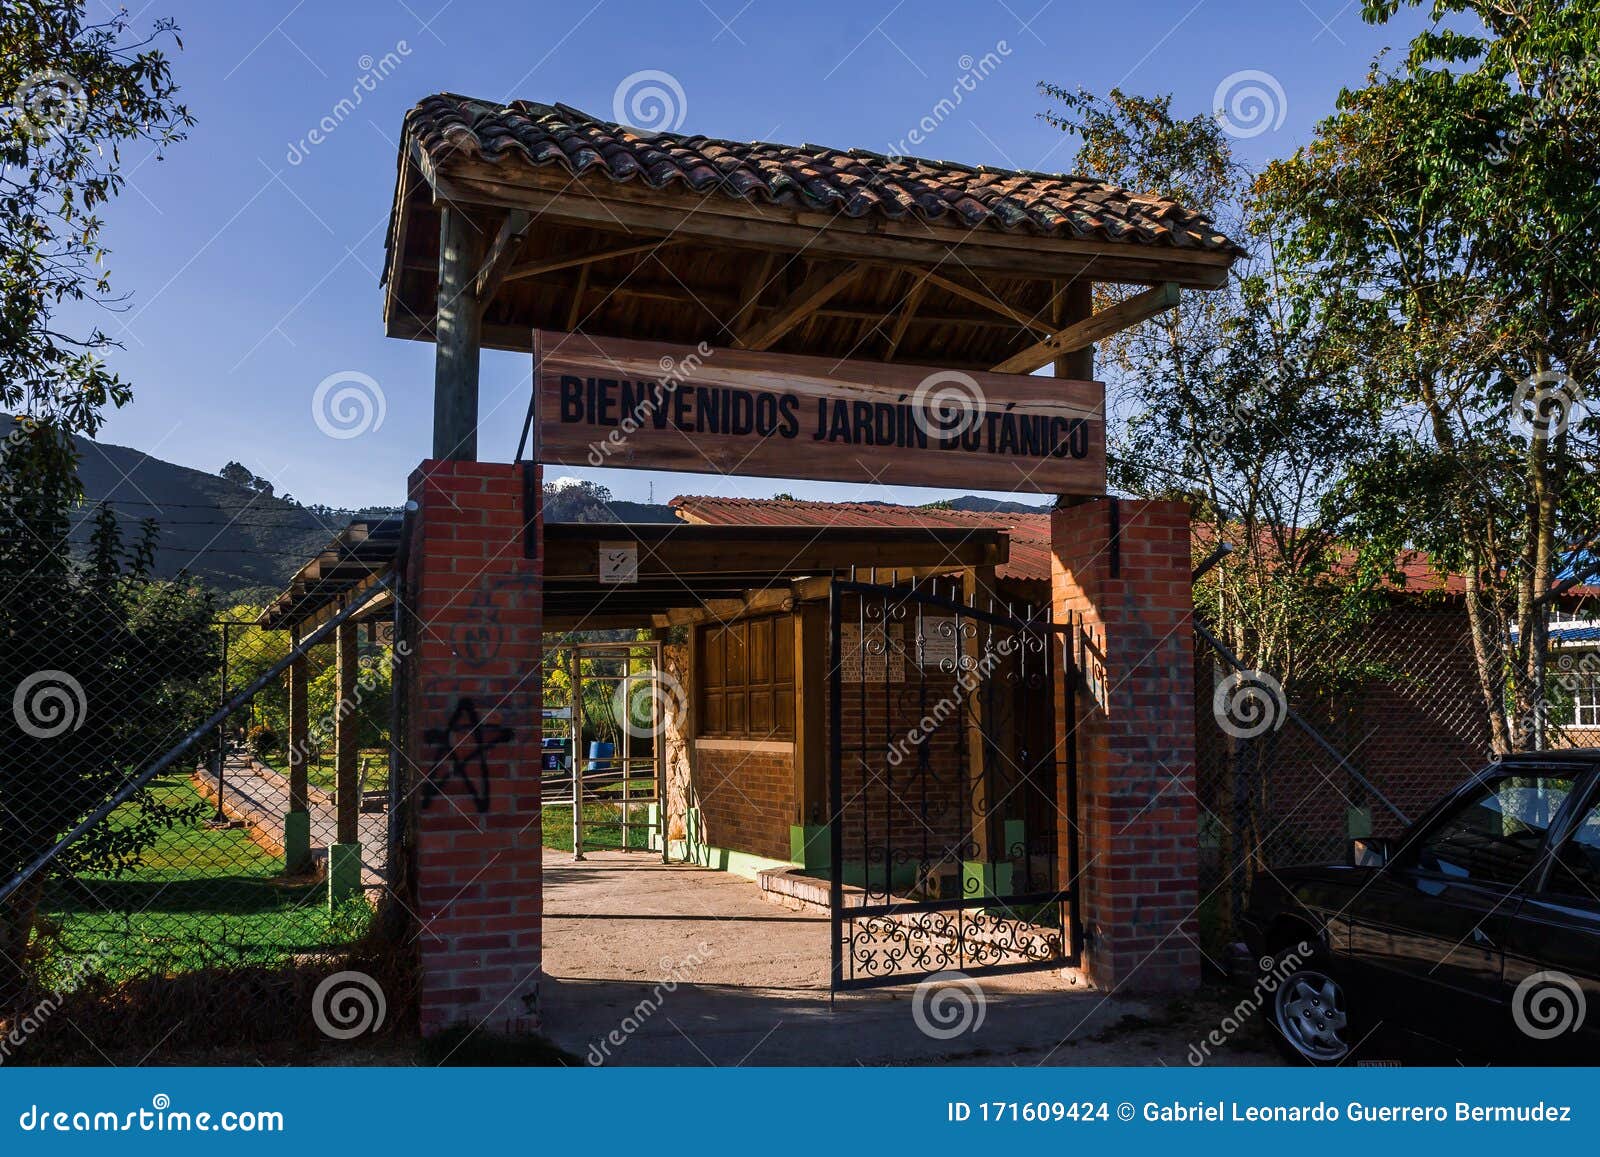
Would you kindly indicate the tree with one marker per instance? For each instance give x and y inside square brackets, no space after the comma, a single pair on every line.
[78,92]
[105,669]
[1449,214]
[1234,400]
[237,473]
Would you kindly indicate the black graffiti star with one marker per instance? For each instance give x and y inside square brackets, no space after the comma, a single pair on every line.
[465,740]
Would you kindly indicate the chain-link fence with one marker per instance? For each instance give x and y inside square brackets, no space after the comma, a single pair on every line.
[1288,775]
[185,795]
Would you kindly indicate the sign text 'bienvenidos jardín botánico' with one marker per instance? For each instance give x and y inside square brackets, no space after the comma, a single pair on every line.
[642,405]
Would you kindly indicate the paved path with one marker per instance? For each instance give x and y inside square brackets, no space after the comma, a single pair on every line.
[691,967]
[260,797]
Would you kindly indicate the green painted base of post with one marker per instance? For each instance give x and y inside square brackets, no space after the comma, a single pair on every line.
[982,879]
[296,843]
[810,846]
[344,873]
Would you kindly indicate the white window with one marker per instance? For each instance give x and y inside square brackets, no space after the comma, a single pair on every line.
[1586,701]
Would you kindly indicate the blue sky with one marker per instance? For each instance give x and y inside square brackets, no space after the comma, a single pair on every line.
[253,260]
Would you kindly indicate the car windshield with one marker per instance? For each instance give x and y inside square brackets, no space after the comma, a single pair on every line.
[1495,835]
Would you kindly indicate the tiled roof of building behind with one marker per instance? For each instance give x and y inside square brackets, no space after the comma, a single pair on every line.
[1030,533]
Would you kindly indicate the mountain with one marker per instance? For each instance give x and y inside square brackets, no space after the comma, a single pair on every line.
[246,543]
[238,540]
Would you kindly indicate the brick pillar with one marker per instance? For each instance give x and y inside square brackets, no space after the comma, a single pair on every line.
[474,743]
[1122,569]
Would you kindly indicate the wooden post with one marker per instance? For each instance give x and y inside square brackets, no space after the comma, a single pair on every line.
[297,820]
[345,731]
[983,874]
[344,855]
[458,330]
[810,734]
[1075,303]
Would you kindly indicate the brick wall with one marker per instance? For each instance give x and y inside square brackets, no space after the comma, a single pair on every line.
[745,793]
[475,605]
[1136,810]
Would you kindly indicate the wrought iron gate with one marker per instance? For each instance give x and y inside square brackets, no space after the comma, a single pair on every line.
[947,786]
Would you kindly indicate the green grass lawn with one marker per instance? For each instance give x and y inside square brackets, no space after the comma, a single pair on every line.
[199,898]
[319,772]
[602,827]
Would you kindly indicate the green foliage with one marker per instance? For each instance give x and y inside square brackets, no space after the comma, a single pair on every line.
[1447,218]
[108,668]
[262,741]
[1235,401]
[74,93]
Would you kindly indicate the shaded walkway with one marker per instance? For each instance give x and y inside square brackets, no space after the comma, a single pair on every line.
[648,963]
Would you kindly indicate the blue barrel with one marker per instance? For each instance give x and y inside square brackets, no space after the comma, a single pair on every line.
[600,756]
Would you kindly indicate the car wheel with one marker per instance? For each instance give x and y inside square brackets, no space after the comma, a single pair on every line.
[1311,1015]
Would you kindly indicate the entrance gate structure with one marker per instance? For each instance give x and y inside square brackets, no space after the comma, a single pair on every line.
[754,308]
[943,782]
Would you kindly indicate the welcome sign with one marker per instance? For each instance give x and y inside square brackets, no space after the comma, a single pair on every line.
[643,405]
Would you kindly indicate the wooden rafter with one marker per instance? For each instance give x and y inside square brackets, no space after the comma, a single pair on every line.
[818,287]
[575,309]
[555,264]
[750,291]
[987,300]
[1081,334]
[503,251]
[908,309]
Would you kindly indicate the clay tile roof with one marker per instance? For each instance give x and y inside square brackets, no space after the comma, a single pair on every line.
[1030,533]
[854,182]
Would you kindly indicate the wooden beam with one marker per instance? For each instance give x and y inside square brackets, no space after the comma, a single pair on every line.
[819,285]
[1140,307]
[575,308]
[987,300]
[503,251]
[750,291]
[458,327]
[553,264]
[908,309]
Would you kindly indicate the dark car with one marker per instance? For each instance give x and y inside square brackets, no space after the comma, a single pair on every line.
[1479,927]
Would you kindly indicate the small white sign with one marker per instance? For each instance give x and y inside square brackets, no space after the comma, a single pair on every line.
[619,562]
[938,646]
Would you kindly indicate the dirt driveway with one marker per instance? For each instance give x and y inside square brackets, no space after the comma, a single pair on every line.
[648,963]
